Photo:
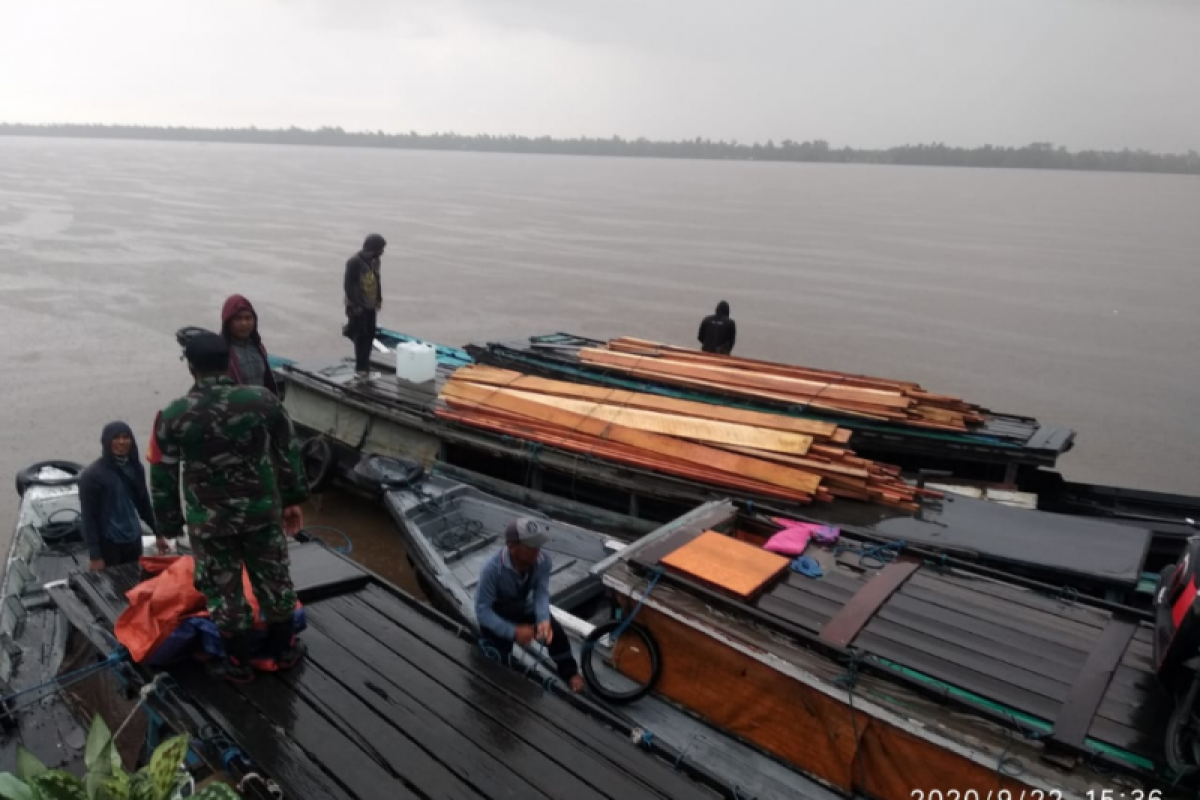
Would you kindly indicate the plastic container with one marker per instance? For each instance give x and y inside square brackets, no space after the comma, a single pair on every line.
[415,362]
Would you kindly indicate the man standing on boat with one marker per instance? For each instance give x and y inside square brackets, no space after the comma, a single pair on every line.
[512,599]
[248,361]
[364,299]
[718,332]
[243,482]
[114,501]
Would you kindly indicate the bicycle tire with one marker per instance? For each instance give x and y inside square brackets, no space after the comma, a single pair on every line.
[589,671]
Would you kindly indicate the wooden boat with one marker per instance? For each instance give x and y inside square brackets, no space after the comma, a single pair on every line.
[999,448]
[394,700]
[46,679]
[451,529]
[391,418]
[46,546]
[883,677]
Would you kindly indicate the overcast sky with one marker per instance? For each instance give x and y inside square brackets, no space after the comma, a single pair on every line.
[1084,73]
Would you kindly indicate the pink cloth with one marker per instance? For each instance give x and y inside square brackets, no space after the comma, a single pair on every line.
[788,542]
[824,534]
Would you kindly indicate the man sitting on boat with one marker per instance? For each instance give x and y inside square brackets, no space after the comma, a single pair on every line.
[244,482]
[718,332]
[512,600]
[114,501]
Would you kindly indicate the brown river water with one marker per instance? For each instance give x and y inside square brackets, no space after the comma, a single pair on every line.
[1072,297]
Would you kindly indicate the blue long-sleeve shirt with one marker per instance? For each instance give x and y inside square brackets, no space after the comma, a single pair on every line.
[501,584]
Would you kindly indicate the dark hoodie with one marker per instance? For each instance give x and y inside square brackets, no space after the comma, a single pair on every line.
[361,284]
[240,369]
[718,332]
[113,495]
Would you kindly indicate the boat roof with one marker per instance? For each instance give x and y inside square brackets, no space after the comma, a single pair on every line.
[396,701]
[1012,655]
[1097,551]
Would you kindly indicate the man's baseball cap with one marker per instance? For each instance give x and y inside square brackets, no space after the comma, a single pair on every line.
[527,531]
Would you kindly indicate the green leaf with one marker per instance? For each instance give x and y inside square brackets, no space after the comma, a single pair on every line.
[99,753]
[164,764]
[13,788]
[93,782]
[115,786]
[28,765]
[217,791]
[141,786]
[58,785]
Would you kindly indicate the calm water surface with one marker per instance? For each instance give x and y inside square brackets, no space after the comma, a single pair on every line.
[1073,297]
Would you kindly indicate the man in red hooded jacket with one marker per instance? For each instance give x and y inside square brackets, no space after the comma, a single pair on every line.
[248,364]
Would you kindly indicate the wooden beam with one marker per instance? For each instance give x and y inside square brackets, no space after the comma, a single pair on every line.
[704,430]
[701,455]
[651,402]
[792,386]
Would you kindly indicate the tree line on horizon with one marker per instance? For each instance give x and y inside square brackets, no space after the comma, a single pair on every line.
[1038,155]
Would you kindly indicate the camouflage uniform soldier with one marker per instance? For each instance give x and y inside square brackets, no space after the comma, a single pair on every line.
[242,483]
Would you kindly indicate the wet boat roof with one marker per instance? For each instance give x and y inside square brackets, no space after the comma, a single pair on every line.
[393,702]
[999,643]
[1088,548]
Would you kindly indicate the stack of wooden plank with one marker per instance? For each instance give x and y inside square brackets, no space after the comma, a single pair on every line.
[857,396]
[772,455]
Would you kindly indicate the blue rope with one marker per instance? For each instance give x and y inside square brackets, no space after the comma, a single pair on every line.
[534,449]
[228,757]
[868,557]
[624,626]
[808,567]
[683,752]
[63,681]
[488,651]
[347,550]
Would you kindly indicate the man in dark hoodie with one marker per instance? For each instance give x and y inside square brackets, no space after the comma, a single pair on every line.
[114,500]
[364,298]
[248,364]
[718,331]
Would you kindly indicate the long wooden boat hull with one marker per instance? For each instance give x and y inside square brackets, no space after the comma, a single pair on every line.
[947,682]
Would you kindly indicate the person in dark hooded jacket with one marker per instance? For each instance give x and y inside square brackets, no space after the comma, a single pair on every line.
[718,332]
[248,364]
[363,298]
[114,500]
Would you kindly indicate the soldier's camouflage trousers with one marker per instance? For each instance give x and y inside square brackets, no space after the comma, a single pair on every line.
[219,561]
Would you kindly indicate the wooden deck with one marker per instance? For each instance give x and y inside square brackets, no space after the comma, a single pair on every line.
[393,703]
